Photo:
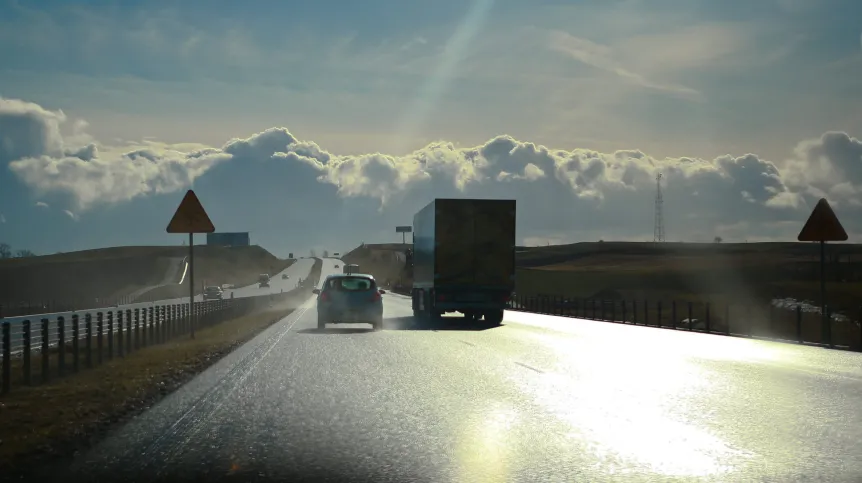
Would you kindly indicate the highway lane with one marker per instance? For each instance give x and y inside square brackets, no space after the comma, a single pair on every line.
[298,270]
[539,399]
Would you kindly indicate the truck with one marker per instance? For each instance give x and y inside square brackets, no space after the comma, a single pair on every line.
[350,268]
[464,258]
[263,280]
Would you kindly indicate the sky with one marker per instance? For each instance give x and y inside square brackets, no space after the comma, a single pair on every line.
[326,124]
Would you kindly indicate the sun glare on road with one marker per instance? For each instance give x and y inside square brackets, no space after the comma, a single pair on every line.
[483,452]
[630,400]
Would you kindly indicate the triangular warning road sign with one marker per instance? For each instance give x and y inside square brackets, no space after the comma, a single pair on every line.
[190,217]
[822,225]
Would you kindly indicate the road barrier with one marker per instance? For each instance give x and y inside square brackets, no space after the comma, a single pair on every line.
[107,334]
[760,321]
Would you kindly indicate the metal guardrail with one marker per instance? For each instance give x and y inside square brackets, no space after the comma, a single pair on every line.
[740,320]
[61,345]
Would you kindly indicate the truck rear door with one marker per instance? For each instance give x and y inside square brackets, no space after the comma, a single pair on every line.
[454,255]
[494,243]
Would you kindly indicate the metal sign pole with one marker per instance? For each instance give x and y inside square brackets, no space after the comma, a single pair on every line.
[826,322]
[192,284]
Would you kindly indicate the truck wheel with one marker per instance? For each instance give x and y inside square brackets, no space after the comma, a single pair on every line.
[378,325]
[495,317]
[321,324]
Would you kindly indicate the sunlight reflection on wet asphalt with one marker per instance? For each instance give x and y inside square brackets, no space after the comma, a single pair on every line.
[539,399]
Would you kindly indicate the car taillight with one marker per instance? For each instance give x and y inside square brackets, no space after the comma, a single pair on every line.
[375,296]
[324,296]
[441,297]
[506,297]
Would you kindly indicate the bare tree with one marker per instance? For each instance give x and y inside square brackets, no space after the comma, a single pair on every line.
[5,250]
[718,239]
[312,253]
[24,254]
[325,253]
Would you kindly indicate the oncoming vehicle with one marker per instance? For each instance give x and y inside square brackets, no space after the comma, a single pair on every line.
[336,265]
[213,292]
[263,280]
[350,299]
[285,276]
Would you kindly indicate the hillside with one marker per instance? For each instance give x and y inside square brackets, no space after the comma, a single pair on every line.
[83,278]
[385,261]
[692,271]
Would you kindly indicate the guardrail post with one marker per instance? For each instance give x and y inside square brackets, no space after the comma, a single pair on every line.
[827,329]
[110,336]
[7,357]
[28,345]
[623,307]
[658,322]
[635,312]
[799,323]
[88,346]
[120,335]
[673,314]
[100,334]
[154,325]
[129,333]
[61,346]
[76,334]
[46,355]
[137,336]
[153,315]
[614,310]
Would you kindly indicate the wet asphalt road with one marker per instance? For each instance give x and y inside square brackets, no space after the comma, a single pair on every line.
[538,399]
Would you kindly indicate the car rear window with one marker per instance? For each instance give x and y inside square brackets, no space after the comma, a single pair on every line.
[351,284]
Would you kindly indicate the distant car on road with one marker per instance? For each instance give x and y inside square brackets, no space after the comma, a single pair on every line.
[263,280]
[285,276]
[336,265]
[213,292]
[350,299]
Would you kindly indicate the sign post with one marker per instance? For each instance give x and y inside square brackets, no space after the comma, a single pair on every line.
[191,218]
[404,230]
[823,226]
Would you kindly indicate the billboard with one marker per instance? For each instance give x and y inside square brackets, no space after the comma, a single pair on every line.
[228,239]
[403,229]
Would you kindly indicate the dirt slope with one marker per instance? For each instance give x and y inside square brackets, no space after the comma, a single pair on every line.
[111,274]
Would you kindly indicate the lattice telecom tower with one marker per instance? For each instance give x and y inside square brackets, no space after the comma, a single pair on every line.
[658,231]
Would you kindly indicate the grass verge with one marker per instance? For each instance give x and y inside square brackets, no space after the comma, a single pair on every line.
[47,422]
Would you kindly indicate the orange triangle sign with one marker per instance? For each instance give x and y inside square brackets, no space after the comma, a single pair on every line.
[190,217]
[822,225]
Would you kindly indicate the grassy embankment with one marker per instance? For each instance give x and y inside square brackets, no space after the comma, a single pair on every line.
[109,274]
[52,420]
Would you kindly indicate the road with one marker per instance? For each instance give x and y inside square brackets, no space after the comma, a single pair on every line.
[300,269]
[541,398]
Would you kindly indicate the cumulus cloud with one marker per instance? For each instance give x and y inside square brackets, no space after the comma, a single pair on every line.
[830,166]
[36,150]
[562,194]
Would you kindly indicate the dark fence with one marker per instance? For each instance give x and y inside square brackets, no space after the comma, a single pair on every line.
[39,349]
[797,323]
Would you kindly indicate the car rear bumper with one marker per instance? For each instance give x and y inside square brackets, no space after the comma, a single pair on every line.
[350,316]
